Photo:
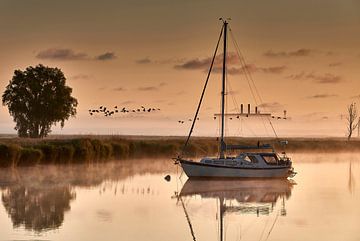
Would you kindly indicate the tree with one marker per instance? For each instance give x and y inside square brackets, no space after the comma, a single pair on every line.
[351,118]
[38,98]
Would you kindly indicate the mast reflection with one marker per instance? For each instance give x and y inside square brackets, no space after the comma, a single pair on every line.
[244,196]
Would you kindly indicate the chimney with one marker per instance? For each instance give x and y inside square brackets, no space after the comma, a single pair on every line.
[248,108]
[241,108]
[256,110]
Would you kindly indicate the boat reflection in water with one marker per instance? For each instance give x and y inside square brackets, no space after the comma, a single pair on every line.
[245,196]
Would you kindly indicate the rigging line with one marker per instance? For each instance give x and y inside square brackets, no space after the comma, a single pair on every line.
[203,93]
[188,219]
[248,76]
[242,60]
[263,230]
[277,215]
[243,63]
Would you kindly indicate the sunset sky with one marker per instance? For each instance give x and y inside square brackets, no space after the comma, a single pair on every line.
[304,57]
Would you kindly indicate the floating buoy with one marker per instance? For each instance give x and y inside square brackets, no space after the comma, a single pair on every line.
[167,178]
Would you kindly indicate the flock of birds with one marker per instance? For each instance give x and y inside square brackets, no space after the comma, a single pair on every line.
[109,112]
[230,118]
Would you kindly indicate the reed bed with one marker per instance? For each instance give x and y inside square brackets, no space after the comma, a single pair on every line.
[27,152]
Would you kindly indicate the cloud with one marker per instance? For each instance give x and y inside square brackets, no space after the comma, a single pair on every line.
[271,106]
[232,60]
[204,64]
[119,89]
[61,54]
[126,102]
[149,88]
[274,69]
[296,53]
[143,61]
[251,68]
[69,54]
[326,78]
[194,64]
[106,56]
[321,96]
[335,64]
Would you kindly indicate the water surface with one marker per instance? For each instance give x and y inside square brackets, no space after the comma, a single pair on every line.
[131,200]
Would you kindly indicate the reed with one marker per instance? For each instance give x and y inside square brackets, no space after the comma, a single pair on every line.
[25,152]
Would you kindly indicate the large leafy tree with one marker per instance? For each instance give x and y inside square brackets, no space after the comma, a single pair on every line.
[38,98]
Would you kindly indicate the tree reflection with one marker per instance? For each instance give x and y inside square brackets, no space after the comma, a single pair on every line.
[38,209]
[38,197]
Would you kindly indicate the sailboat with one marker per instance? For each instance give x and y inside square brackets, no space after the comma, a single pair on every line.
[259,161]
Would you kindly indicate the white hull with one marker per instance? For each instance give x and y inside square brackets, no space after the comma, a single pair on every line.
[196,169]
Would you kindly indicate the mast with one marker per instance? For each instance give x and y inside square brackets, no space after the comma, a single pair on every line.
[222,143]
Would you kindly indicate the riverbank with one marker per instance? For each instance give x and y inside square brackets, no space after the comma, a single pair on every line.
[80,149]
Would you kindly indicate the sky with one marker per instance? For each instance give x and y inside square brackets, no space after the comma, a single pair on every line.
[304,57]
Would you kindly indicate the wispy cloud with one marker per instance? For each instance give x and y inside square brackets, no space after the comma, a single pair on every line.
[204,63]
[106,56]
[67,54]
[143,61]
[251,68]
[148,88]
[126,102]
[326,78]
[119,89]
[271,106]
[80,76]
[232,61]
[61,54]
[321,96]
[296,53]
[335,64]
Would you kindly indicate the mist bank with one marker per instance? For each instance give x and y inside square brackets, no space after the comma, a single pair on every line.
[76,149]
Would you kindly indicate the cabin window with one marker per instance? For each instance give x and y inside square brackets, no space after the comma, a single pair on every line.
[247,159]
[208,161]
[270,159]
[251,159]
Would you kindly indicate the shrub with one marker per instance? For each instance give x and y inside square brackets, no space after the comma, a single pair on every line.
[29,156]
[120,150]
[84,151]
[9,155]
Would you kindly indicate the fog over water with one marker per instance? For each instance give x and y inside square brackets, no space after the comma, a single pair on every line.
[131,200]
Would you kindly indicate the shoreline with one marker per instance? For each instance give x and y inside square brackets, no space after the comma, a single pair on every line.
[65,149]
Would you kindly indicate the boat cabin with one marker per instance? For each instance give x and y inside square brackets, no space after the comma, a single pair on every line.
[248,159]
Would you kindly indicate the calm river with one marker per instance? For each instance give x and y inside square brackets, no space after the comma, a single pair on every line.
[131,201]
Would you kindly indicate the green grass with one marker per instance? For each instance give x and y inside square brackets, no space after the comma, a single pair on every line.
[26,152]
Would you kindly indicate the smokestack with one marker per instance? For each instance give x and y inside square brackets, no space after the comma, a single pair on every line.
[241,108]
[285,114]
[248,108]
[256,110]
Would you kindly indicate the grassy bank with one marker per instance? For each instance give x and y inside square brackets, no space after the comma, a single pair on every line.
[27,152]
